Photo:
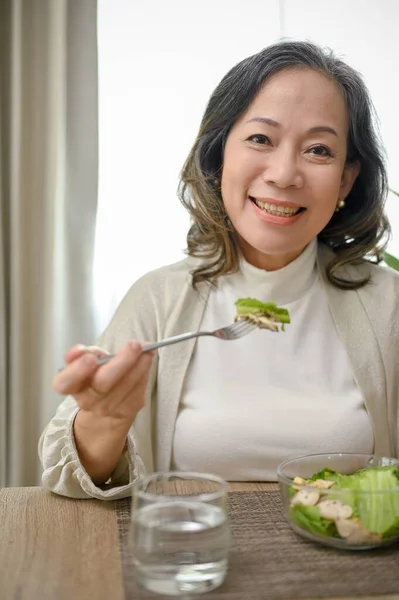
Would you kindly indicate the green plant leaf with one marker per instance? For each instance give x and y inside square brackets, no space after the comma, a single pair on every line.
[391,261]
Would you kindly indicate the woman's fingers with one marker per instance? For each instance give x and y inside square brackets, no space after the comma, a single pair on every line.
[75,352]
[128,394]
[76,375]
[112,372]
[84,372]
[114,389]
[79,349]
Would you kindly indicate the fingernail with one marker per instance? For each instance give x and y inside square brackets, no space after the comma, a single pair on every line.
[135,346]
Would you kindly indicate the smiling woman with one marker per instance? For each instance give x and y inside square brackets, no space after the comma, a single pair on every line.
[297,133]
[295,163]
[285,186]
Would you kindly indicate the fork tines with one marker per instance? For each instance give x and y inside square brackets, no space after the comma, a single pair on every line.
[240,327]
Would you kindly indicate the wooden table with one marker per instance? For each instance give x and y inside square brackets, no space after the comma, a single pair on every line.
[54,548]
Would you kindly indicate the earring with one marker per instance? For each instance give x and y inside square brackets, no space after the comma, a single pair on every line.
[340,204]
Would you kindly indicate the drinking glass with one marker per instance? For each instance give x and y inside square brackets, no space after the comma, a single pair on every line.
[180,533]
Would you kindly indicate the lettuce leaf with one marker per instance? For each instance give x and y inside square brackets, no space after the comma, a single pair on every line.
[270,309]
[327,475]
[372,492]
[379,512]
[308,517]
[393,531]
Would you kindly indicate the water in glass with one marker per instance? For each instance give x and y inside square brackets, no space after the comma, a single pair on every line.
[180,542]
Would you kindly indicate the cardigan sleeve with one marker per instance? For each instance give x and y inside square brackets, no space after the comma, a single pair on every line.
[63,473]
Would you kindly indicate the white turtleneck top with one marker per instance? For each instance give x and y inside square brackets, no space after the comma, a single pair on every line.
[249,404]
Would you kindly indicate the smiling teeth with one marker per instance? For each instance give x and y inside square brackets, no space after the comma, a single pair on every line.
[274,209]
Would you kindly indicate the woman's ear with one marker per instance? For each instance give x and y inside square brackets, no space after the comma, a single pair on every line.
[351,171]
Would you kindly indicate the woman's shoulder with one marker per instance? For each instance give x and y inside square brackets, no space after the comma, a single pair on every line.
[165,278]
[381,274]
[383,285]
[377,274]
[160,287]
[148,303]
[379,297]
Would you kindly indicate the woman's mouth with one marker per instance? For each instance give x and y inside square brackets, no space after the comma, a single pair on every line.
[280,210]
[276,213]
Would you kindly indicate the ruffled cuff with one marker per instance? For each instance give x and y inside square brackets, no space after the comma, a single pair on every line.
[65,475]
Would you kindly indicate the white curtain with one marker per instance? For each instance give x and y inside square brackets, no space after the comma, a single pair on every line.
[48,193]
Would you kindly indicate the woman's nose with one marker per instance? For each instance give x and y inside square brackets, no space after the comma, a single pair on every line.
[282,170]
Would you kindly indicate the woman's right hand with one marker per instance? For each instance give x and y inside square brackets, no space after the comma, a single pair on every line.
[109,397]
[115,390]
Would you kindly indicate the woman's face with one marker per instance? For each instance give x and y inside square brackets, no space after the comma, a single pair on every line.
[284,166]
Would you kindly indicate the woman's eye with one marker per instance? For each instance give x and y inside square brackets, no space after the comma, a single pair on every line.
[320,151]
[259,138]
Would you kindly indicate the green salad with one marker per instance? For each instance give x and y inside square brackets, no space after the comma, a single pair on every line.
[266,315]
[368,511]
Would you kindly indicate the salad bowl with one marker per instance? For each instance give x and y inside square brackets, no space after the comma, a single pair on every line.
[348,501]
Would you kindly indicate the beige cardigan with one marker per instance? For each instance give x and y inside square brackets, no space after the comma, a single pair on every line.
[164,303]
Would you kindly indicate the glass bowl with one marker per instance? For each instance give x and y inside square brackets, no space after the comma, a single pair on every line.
[324,505]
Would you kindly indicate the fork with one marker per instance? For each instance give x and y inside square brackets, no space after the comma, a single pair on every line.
[231,332]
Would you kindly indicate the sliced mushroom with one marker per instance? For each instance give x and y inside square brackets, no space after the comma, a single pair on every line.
[260,320]
[265,323]
[306,498]
[355,532]
[322,484]
[335,509]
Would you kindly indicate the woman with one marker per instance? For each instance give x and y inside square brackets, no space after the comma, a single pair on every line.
[286,186]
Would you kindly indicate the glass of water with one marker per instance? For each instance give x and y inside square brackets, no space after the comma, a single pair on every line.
[180,532]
